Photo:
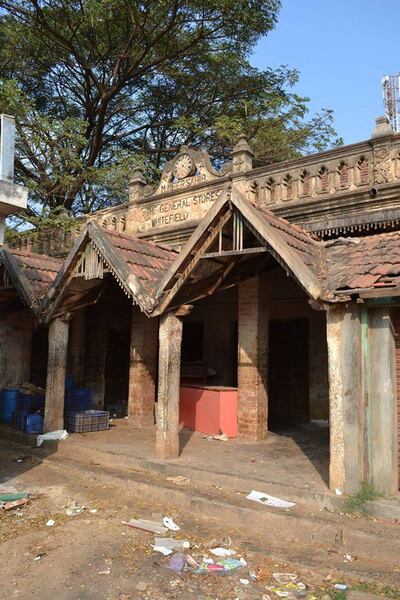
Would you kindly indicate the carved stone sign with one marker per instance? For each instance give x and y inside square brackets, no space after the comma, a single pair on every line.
[172,212]
[158,209]
[188,168]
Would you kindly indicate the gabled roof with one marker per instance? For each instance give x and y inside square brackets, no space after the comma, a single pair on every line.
[296,250]
[136,264]
[368,262]
[32,274]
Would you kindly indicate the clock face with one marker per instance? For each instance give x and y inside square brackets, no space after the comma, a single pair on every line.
[184,166]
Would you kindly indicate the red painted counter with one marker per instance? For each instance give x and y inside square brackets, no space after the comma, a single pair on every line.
[209,409]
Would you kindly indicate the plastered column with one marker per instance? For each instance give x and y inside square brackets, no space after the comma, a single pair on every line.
[77,347]
[382,413]
[169,367]
[143,368]
[346,401]
[253,318]
[56,371]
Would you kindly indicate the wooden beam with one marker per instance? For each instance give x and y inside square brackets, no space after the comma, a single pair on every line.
[234,252]
[378,292]
[283,252]
[189,248]
[184,310]
[192,264]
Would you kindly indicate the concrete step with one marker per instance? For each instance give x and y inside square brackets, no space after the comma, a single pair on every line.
[385,508]
[316,532]
[309,497]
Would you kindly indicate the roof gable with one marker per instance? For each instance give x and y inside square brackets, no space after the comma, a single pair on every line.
[136,264]
[32,274]
[296,250]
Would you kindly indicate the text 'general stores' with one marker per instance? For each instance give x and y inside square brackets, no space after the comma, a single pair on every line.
[175,211]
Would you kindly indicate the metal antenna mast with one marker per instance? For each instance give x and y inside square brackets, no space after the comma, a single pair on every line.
[391,99]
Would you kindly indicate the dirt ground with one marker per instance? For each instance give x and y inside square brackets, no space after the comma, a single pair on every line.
[93,555]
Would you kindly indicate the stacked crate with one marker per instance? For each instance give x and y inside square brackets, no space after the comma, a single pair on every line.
[79,414]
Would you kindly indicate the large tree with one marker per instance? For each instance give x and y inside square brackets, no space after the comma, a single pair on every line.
[101,85]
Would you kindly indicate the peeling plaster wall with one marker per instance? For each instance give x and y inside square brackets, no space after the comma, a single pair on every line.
[15,347]
[113,312]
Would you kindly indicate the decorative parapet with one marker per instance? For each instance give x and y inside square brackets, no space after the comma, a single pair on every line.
[337,172]
[330,192]
[350,188]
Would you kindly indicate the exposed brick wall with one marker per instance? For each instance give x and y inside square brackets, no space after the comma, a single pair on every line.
[253,359]
[143,368]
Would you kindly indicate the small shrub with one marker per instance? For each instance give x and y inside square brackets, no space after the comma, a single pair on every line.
[366,493]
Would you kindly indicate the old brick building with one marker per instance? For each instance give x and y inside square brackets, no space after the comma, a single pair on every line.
[277,284]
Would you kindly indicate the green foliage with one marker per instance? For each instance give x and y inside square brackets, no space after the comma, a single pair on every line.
[381,591]
[338,595]
[366,493]
[100,86]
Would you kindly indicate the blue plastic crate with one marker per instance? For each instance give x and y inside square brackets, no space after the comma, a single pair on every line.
[21,414]
[88,420]
[33,424]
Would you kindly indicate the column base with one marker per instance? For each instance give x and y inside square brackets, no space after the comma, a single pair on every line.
[167,445]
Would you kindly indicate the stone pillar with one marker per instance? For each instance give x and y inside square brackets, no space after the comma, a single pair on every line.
[137,184]
[382,413]
[77,347]
[143,368]
[169,368]
[346,401]
[56,371]
[253,320]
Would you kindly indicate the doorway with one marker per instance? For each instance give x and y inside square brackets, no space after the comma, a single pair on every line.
[288,397]
[39,352]
[117,372]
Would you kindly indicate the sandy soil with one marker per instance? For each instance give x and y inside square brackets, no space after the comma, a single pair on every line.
[93,556]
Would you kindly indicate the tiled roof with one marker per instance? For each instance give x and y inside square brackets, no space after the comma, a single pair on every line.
[36,271]
[146,260]
[306,246]
[364,262]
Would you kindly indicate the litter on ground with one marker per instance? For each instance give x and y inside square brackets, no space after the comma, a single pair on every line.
[179,480]
[145,525]
[268,500]
[74,509]
[222,552]
[222,437]
[169,524]
[60,434]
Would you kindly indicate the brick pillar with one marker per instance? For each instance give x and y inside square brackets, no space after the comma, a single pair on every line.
[56,370]
[143,368]
[253,320]
[169,369]
[346,397]
[77,347]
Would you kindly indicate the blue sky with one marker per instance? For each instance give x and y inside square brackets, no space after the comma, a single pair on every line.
[342,50]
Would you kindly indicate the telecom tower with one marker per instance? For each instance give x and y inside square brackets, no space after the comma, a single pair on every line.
[391,99]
